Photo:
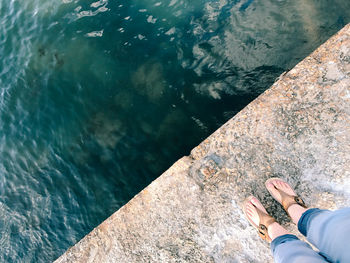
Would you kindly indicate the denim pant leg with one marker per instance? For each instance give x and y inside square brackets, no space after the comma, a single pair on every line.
[290,249]
[329,231]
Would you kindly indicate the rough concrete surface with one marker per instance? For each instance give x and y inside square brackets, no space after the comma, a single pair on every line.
[299,130]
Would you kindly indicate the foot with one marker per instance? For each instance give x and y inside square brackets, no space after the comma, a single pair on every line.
[285,195]
[261,220]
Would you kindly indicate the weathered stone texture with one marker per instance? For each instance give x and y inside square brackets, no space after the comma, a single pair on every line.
[299,130]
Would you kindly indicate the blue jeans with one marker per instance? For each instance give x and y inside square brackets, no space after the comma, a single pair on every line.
[329,231]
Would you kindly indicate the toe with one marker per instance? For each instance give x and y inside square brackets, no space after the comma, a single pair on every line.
[269,185]
[285,185]
[258,205]
[274,191]
[288,189]
[281,185]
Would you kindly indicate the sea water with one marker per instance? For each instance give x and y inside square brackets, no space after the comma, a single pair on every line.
[98,98]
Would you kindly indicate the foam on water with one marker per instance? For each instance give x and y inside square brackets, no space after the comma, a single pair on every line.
[98,98]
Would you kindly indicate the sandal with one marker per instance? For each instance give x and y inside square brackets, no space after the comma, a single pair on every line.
[286,199]
[264,219]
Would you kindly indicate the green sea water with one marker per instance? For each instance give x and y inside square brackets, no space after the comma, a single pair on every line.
[98,98]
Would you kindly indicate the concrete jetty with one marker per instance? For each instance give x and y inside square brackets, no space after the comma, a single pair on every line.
[299,130]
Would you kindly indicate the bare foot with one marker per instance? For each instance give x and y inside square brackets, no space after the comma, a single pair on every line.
[251,210]
[295,210]
[274,229]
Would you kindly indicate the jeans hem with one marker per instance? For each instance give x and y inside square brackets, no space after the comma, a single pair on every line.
[282,239]
[304,220]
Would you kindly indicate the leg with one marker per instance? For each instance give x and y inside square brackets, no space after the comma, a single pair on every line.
[285,247]
[289,249]
[329,231]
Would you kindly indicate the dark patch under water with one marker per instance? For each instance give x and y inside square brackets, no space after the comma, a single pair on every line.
[97,99]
